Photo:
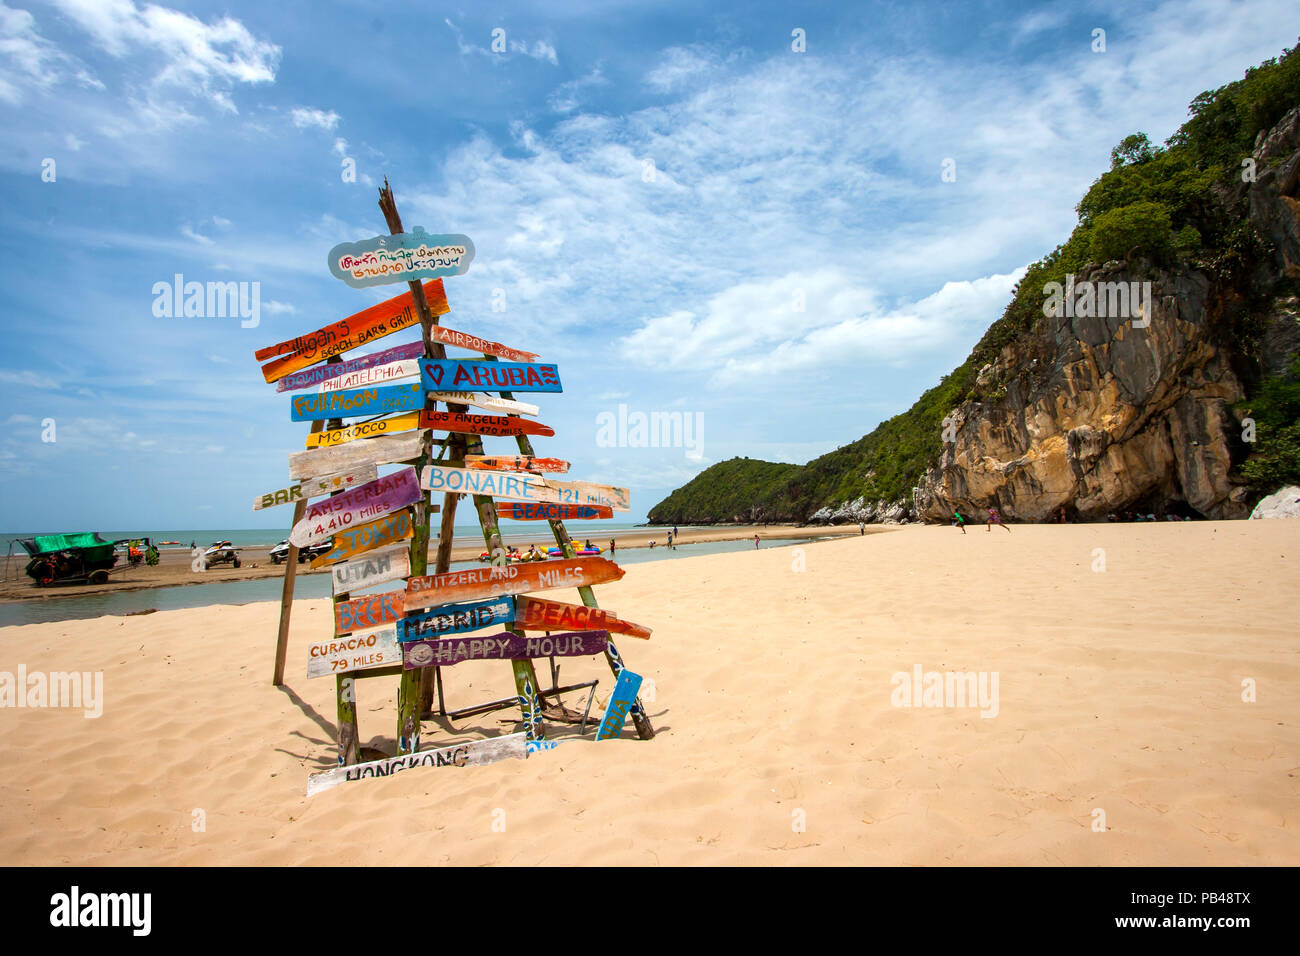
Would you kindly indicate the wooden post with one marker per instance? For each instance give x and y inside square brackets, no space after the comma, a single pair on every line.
[286,595]
[640,719]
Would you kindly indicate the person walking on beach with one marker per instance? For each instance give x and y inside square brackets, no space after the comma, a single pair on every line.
[674,531]
[958,521]
[995,519]
[611,545]
[862,527]
[755,542]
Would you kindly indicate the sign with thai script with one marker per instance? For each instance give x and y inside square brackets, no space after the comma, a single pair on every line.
[405,257]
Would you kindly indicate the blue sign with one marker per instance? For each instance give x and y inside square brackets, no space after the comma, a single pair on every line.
[620,703]
[356,402]
[456,375]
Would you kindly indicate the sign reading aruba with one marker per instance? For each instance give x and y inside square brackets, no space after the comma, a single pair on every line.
[401,258]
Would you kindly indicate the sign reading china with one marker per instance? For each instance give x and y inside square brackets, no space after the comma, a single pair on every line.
[405,257]
[456,375]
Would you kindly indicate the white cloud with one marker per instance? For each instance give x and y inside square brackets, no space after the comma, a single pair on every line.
[28,61]
[279,308]
[568,96]
[305,117]
[26,378]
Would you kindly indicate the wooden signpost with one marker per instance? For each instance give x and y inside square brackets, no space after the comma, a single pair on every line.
[620,704]
[356,330]
[314,487]
[380,426]
[370,536]
[357,402]
[373,451]
[518,463]
[368,516]
[354,652]
[456,619]
[482,424]
[444,652]
[458,374]
[375,567]
[473,754]
[536,614]
[492,581]
[320,374]
[362,504]
[528,511]
[485,401]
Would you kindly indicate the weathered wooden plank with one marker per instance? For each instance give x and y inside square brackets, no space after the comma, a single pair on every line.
[357,402]
[314,487]
[532,511]
[370,611]
[539,614]
[472,754]
[620,702]
[381,426]
[356,330]
[375,375]
[444,652]
[463,374]
[356,506]
[482,424]
[484,400]
[474,583]
[355,652]
[464,340]
[517,463]
[376,567]
[318,375]
[456,619]
[522,487]
[403,257]
[373,451]
[370,536]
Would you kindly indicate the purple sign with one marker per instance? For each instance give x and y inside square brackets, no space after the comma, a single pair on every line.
[321,373]
[444,652]
[357,505]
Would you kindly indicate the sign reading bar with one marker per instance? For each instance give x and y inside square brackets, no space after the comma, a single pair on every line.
[353,332]
[501,647]
[314,487]
[405,257]
[461,375]
[475,583]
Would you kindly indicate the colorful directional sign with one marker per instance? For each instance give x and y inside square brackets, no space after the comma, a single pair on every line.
[381,426]
[329,516]
[620,704]
[320,374]
[370,536]
[475,583]
[404,257]
[460,375]
[532,511]
[444,652]
[495,425]
[356,403]
[314,487]
[456,619]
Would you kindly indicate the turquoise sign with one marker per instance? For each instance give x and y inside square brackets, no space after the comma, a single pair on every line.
[408,256]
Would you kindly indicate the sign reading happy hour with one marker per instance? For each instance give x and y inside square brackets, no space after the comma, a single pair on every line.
[405,257]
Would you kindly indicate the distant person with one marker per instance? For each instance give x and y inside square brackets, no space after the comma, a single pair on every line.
[587,546]
[994,519]
[674,531]
[611,545]
[670,539]
[958,521]
[652,544]
[862,527]
[755,542]
[1061,515]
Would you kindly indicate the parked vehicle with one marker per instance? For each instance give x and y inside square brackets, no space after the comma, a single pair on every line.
[221,552]
[83,557]
[280,553]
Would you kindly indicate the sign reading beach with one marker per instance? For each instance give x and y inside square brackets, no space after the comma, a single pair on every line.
[405,257]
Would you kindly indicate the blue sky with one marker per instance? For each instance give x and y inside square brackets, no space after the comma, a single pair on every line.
[652,186]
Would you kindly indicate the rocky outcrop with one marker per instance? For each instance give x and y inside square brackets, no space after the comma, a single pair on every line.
[860,511]
[1100,415]
[1283,504]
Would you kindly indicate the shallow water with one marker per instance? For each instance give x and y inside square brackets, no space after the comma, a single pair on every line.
[305,586]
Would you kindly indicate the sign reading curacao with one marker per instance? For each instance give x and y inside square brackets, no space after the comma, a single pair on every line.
[404,257]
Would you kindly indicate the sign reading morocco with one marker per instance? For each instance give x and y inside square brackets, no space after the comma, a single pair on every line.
[456,375]
[356,330]
[405,257]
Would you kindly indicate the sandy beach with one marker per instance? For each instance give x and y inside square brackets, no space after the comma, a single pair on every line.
[175,569]
[1119,700]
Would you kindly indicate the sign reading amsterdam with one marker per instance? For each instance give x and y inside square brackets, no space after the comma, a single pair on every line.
[329,516]
[405,257]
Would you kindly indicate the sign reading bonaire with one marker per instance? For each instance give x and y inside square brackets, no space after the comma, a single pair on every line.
[404,257]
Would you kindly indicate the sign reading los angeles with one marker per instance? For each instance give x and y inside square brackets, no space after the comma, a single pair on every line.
[459,375]
[405,257]
[494,425]
[356,330]
[358,402]
[329,516]
[475,583]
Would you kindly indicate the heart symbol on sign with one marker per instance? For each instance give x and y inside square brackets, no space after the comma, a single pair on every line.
[435,373]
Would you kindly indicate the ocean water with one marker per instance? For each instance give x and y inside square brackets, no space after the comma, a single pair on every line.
[306,586]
